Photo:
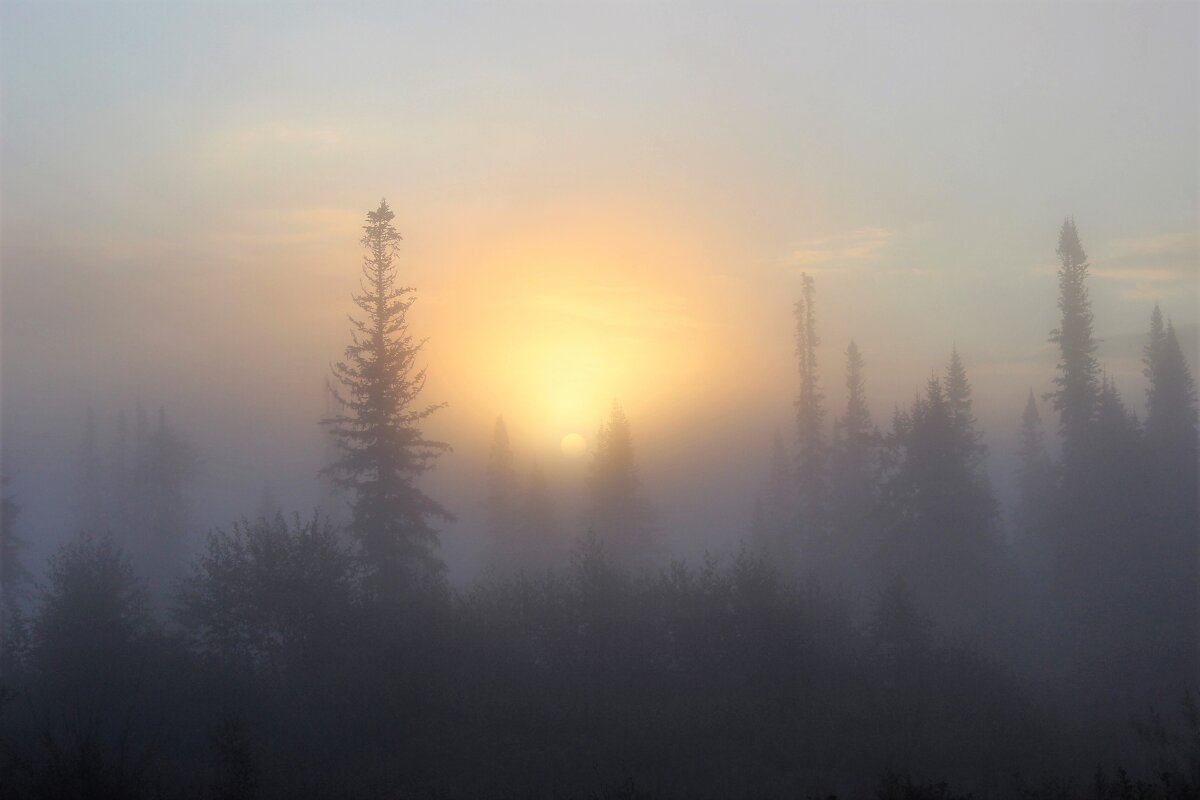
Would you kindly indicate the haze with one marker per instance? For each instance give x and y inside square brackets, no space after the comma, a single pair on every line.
[598,202]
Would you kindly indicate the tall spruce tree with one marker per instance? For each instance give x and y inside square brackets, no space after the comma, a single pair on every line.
[1078,384]
[1174,483]
[381,448]
[811,449]
[620,515]
[854,473]
[941,536]
[1035,488]
[774,516]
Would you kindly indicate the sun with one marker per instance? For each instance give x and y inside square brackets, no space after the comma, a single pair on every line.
[573,445]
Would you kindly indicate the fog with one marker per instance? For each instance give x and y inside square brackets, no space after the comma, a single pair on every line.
[621,204]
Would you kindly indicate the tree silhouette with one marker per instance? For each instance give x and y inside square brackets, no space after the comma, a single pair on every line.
[939,511]
[811,449]
[1035,491]
[772,524]
[536,524]
[381,448]
[1172,488]
[1078,388]
[854,474]
[620,515]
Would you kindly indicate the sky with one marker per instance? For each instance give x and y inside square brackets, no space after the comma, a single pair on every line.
[599,201]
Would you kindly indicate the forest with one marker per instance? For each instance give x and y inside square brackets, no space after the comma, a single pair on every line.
[883,629]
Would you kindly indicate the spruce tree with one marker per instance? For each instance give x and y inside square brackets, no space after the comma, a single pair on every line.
[1035,484]
[620,515]
[774,516]
[941,534]
[854,471]
[1078,387]
[811,449]
[1173,483]
[381,448]
[967,438]
[536,522]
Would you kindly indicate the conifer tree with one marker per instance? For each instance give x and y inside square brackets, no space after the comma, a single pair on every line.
[1035,483]
[1174,483]
[941,533]
[968,438]
[1170,394]
[854,471]
[774,517]
[620,515]
[536,522]
[811,449]
[1078,388]
[381,448]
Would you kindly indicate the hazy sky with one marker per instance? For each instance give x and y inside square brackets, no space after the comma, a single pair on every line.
[598,200]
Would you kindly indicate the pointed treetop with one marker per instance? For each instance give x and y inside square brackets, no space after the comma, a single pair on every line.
[1069,247]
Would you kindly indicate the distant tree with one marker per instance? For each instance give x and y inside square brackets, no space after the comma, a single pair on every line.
[536,522]
[620,515]
[170,466]
[1173,484]
[381,448]
[967,438]
[14,578]
[91,610]
[501,501]
[1170,394]
[772,524]
[1078,387]
[1035,490]
[854,470]
[941,535]
[268,593]
[811,448]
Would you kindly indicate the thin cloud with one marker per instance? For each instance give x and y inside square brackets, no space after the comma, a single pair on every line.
[840,252]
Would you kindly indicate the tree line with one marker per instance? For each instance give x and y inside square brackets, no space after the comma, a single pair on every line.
[874,622]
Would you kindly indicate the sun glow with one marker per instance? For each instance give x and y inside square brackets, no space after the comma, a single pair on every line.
[573,445]
[557,326]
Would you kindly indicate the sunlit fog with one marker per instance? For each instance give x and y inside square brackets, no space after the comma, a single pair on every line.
[615,400]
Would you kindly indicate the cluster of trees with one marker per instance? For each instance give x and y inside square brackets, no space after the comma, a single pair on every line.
[137,487]
[307,658]
[1105,552]
[522,532]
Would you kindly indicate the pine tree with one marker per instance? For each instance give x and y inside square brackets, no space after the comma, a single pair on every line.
[1078,388]
[1035,484]
[1170,394]
[941,533]
[771,524]
[620,515]
[968,439]
[1173,494]
[811,450]
[854,469]
[381,448]
[536,522]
